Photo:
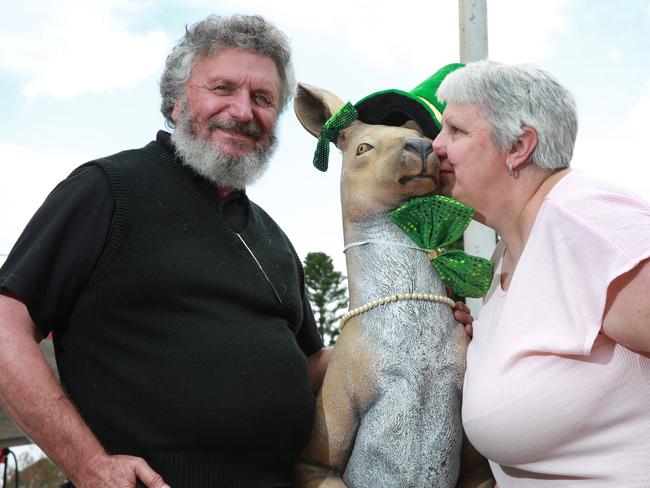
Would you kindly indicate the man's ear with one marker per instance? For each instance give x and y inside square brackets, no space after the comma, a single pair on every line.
[522,148]
[176,111]
[314,106]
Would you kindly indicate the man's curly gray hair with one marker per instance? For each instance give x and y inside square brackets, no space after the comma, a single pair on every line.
[209,36]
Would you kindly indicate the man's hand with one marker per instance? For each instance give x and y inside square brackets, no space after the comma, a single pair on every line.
[463,315]
[107,471]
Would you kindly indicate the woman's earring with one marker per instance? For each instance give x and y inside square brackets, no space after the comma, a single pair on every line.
[512,172]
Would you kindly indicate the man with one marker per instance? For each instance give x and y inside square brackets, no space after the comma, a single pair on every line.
[187,350]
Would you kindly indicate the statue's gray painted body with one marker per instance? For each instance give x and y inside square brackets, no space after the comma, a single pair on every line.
[410,433]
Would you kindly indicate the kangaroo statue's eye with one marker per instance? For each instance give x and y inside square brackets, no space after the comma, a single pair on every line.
[363,148]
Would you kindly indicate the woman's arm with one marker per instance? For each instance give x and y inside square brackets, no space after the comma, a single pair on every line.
[626,319]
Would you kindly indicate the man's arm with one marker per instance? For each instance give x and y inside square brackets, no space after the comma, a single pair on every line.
[317,367]
[33,398]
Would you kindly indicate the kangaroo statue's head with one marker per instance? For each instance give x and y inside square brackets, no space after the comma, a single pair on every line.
[383,165]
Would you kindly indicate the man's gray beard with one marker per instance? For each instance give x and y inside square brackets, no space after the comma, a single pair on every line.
[223,170]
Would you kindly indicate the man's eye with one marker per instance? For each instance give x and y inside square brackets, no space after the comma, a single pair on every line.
[222,88]
[262,100]
[363,148]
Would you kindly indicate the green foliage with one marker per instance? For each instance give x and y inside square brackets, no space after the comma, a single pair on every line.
[327,292]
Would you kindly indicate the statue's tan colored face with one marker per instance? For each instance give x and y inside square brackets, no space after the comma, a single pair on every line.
[382,167]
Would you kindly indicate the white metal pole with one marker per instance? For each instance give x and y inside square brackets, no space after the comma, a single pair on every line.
[472,15]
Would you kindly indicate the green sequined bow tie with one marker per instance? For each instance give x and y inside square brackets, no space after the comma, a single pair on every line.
[435,222]
[340,120]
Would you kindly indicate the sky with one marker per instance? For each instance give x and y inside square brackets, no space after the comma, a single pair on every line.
[79,80]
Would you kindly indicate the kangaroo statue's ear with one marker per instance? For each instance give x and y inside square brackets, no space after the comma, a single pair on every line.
[313,106]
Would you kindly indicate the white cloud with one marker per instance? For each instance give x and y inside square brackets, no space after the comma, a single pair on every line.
[618,158]
[522,31]
[85,46]
[410,40]
[377,32]
[415,38]
[70,47]
[637,119]
[615,54]
[388,37]
[26,178]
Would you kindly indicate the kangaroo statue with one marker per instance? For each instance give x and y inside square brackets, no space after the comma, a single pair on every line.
[388,413]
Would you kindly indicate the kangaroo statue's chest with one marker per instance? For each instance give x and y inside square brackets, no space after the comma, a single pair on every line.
[410,431]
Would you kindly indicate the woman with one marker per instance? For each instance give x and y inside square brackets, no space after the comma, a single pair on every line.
[557,388]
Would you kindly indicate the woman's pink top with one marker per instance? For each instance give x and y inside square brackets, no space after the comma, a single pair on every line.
[547,398]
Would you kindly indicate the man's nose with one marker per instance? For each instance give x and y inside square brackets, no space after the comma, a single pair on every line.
[241,107]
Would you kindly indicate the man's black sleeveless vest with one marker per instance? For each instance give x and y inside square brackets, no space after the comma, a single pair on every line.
[182,347]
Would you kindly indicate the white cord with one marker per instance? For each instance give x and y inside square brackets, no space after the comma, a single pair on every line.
[384,243]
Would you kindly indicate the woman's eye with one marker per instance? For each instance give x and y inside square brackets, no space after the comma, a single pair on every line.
[363,148]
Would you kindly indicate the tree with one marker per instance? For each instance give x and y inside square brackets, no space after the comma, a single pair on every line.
[327,292]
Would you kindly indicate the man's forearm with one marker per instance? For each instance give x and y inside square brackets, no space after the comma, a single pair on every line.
[33,398]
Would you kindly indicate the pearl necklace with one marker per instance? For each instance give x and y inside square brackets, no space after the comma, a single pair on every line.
[394,298]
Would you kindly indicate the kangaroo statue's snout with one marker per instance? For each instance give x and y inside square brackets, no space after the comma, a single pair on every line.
[421,147]
[419,161]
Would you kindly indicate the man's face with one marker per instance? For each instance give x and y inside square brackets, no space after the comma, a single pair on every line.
[225,120]
[233,99]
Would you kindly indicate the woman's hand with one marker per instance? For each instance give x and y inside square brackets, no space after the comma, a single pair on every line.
[463,315]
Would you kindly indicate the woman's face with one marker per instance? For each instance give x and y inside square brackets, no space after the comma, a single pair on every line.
[469,161]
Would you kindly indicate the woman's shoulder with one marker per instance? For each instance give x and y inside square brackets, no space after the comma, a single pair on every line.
[580,203]
[582,193]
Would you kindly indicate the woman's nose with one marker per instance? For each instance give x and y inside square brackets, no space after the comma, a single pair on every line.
[438,147]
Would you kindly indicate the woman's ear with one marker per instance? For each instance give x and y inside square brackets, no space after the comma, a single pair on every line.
[522,148]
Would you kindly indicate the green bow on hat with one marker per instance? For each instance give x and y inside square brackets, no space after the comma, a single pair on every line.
[389,107]
[329,132]
[434,223]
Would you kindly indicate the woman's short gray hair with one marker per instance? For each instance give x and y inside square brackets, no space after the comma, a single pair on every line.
[249,32]
[514,96]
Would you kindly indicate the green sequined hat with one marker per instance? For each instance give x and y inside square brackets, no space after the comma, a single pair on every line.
[388,107]
[395,107]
